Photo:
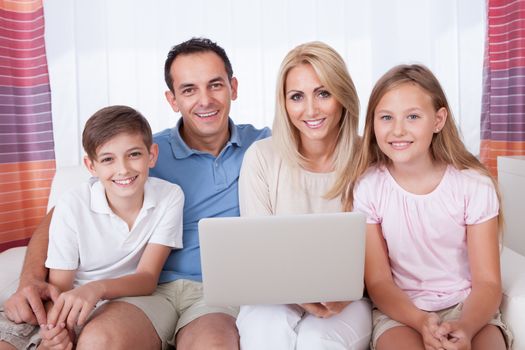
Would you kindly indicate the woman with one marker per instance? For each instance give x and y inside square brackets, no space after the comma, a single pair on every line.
[293,172]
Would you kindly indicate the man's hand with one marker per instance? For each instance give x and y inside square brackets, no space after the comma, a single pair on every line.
[26,304]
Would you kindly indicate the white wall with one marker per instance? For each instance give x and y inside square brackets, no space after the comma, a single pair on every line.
[103,52]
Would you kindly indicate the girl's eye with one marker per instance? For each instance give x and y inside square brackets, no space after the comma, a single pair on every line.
[324,94]
[413,116]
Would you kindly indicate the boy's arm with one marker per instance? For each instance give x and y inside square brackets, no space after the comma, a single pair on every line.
[73,307]
[26,305]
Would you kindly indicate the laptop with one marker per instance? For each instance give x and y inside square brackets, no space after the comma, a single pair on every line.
[282,259]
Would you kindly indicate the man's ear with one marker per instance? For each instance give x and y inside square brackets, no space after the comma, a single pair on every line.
[153,155]
[234,85]
[90,166]
[170,97]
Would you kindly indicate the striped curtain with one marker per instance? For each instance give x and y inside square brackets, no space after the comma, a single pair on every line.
[27,159]
[503,109]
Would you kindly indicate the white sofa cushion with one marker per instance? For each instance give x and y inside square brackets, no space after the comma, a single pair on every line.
[513,304]
[11,261]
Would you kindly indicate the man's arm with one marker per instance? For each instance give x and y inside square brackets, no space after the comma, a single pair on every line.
[25,305]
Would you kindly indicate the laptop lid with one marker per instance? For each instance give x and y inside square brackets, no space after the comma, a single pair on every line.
[282,259]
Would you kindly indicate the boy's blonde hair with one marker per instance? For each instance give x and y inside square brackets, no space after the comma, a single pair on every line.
[333,74]
[446,146]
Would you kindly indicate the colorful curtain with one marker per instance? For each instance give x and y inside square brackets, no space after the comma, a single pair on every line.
[503,109]
[27,158]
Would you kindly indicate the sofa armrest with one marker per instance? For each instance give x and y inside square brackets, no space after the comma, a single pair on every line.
[513,304]
[11,261]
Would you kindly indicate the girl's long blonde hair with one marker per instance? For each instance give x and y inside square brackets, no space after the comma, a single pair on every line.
[333,74]
[446,145]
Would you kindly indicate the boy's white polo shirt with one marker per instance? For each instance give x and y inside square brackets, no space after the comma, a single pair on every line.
[85,235]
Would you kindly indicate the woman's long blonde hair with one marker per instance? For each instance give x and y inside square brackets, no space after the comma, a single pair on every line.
[333,74]
[446,146]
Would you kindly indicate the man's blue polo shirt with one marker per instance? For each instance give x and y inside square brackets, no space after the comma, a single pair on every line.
[209,184]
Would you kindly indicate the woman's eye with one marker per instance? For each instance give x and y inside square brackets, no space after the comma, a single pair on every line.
[296,97]
[385,117]
[324,94]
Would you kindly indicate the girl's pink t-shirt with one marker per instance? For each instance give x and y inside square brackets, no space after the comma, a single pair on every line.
[426,234]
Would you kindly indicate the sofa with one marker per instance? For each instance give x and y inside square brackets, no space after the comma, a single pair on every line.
[512,263]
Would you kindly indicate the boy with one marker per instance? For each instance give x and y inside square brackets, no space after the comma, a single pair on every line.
[110,237]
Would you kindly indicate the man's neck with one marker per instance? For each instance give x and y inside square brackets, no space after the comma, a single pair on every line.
[212,144]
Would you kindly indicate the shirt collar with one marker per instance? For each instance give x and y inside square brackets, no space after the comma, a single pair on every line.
[99,202]
[181,150]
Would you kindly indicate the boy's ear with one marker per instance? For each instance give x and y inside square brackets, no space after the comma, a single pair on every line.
[89,165]
[170,97]
[153,155]
[441,118]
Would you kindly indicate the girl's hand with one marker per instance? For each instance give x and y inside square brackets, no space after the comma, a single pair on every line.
[74,306]
[429,332]
[454,336]
[55,338]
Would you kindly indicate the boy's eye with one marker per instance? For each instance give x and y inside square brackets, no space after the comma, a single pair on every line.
[135,154]
[106,160]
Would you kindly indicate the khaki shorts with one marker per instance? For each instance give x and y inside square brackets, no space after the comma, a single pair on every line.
[172,306]
[175,304]
[381,323]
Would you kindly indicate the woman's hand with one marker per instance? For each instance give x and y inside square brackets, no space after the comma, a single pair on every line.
[325,310]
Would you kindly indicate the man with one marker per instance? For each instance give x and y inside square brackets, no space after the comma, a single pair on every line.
[203,155]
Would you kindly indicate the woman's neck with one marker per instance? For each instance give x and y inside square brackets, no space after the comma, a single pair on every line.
[319,155]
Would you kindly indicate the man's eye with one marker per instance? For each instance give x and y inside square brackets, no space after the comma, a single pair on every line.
[188,91]
[216,86]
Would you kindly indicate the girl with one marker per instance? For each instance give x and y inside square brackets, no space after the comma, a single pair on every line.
[314,138]
[432,253]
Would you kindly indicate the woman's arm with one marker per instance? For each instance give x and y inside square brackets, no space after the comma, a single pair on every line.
[485,296]
[387,296]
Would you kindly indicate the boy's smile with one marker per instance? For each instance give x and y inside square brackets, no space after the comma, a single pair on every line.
[122,166]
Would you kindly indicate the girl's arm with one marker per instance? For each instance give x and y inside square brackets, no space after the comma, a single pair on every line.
[74,306]
[387,296]
[485,296]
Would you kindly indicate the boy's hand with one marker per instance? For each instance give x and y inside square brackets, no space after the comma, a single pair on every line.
[73,307]
[55,338]
[454,336]
[26,304]
[429,332]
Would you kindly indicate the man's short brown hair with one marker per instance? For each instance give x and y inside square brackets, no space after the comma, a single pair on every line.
[111,121]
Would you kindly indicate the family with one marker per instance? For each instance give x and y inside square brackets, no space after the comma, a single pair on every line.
[116,264]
